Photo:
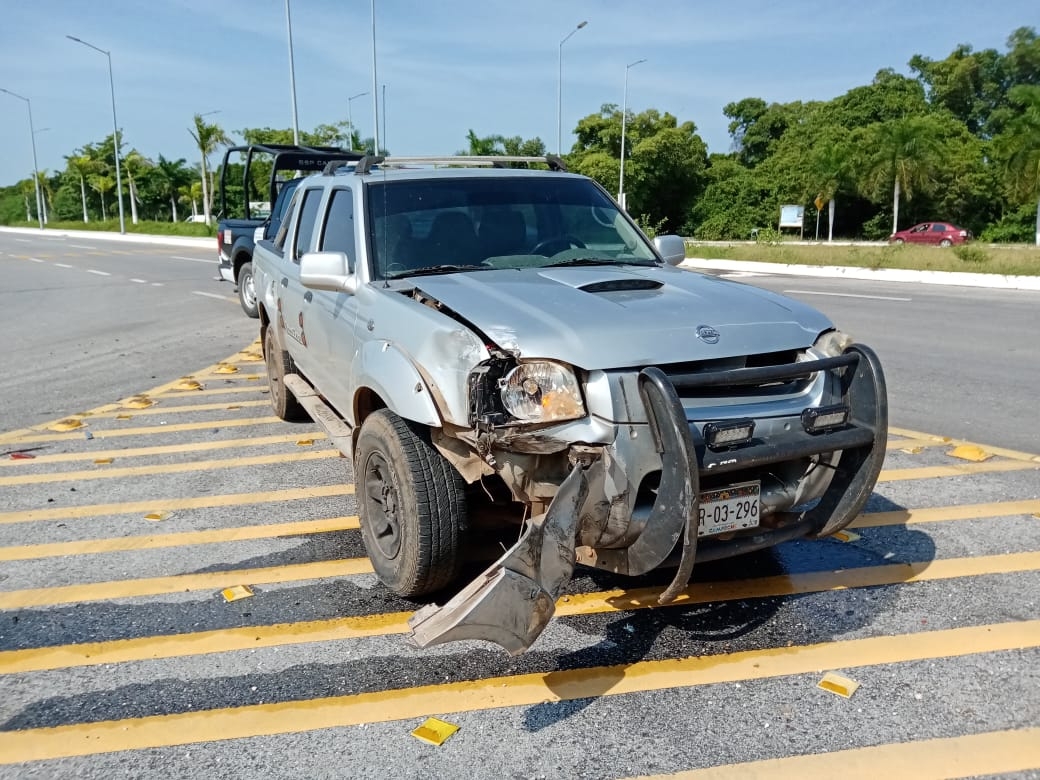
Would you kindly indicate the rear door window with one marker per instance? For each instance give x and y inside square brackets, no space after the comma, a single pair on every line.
[302,240]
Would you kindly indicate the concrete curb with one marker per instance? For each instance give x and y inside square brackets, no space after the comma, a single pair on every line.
[954,278]
[207,242]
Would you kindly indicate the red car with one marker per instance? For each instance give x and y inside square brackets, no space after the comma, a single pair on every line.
[941,233]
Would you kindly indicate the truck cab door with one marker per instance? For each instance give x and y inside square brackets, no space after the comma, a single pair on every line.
[331,316]
[289,292]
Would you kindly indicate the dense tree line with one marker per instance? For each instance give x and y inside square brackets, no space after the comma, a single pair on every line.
[957,140]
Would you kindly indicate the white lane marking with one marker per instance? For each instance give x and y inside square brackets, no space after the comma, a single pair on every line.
[213,295]
[37,260]
[99,273]
[192,259]
[848,295]
[81,246]
[140,281]
[24,240]
[156,284]
[741,274]
[63,265]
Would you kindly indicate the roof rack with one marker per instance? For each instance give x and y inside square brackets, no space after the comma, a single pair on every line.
[365,165]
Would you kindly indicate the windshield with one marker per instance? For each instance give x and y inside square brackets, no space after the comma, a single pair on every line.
[470,224]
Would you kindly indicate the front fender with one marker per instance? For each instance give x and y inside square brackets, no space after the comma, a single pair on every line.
[386,370]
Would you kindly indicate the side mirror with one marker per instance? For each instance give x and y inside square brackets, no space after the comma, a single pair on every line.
[327,271]
[671,248]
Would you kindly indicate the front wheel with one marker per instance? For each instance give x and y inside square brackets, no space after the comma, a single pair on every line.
[247,291]
[898,242]
[412,506]
[946,242]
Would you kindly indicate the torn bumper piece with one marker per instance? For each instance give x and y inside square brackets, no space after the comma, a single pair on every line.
[513,600]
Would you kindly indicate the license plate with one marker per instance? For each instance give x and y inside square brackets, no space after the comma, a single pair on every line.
[731,508]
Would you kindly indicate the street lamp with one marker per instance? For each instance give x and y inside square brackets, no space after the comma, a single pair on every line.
[375,87]
[559,90]
[36,169]
[292,78]
[115,128]
[350,116]
[624,120]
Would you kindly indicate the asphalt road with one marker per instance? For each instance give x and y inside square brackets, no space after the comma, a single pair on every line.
[120,657]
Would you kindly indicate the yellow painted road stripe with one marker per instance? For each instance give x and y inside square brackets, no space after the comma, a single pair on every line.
[166,449]
[157,541]
[104,472]
[160,409]
[1002,452]
[956,470]
[900,444]
[181,583]
[510,691]
[208,391]
[246,638]
[943,513]
[240,533]
[974,754]
[113,433]
[159,390]
[174,504]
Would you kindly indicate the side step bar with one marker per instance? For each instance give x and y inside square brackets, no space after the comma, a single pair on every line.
[339,432]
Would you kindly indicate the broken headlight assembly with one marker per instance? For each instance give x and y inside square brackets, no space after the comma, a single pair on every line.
[541,391]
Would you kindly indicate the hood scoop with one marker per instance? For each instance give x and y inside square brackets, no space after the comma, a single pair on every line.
[621,285]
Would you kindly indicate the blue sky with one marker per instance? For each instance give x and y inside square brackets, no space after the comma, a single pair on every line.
[448,65]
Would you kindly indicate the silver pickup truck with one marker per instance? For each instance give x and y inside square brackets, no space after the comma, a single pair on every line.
[502,345]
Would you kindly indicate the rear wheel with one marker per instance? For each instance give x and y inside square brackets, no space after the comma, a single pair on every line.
[283,402]
[412,506]
[247,291]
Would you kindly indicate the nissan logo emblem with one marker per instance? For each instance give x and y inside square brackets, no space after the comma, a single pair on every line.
[707,334]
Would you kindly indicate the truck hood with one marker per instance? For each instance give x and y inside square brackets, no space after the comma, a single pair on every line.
[620,316]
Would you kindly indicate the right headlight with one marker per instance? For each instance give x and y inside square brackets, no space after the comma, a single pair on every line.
[542,391]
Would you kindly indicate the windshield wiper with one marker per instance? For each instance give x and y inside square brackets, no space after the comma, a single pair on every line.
[437,269]
[597,261]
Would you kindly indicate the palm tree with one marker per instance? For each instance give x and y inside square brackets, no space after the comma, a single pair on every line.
[1019,148]
[45,190]
[829,169]
[482,147]
[101,184]
[906,153]
[207,138]
[170,176]
[80,165]
[26,187]
[134,163]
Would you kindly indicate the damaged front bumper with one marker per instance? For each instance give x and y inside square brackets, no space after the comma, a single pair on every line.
[513,600]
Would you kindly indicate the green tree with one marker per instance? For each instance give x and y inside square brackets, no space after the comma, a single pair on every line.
[102,184]
[79,166]
[170,176]
[906,153]
[135,164]
[207,137]
[1018,148]
[829,168]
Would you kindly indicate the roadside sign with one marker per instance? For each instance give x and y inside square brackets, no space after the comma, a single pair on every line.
[819,202]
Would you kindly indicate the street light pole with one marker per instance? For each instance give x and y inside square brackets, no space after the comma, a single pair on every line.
[624,121]
[36,169]
[350,116]
[115,128]
[375,85]
[559,89]
[292,78]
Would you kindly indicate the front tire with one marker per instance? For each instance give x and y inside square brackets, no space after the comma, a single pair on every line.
[283,402]
[247,291]
[945,242]
[412,506]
